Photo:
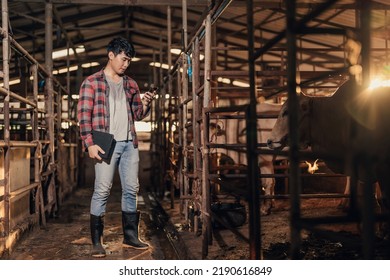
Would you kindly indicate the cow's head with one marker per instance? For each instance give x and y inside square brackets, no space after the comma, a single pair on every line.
[279,135]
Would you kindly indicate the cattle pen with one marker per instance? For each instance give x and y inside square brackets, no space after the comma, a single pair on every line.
[211,186]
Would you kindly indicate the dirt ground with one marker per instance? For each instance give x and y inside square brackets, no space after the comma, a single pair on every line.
[339,235]
[326,241]
[67,236]
[341,241]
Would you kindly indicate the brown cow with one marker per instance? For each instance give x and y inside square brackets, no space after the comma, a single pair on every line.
[266,162]
[352,119]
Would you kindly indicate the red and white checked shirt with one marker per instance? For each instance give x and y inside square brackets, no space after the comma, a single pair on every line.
[93,108]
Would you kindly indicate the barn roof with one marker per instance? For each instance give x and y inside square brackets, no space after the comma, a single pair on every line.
[93,23]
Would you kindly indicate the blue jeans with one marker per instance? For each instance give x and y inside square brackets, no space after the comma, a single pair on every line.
[126,158]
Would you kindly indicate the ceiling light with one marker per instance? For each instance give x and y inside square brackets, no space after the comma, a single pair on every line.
[65,69]
[240,84]
[90,64]
[176,51]
[224,80]
[64,52]
[158,64]
[11,82]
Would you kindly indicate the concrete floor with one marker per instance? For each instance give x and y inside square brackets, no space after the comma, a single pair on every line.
[67,236]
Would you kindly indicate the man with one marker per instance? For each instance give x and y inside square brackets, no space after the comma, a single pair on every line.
[110,102]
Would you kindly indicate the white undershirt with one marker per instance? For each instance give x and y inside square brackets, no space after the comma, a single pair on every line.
[119,120]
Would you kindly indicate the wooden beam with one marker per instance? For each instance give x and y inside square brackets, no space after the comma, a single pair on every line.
[178,3]
[125,2]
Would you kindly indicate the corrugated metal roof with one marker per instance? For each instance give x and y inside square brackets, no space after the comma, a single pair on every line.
[93,25]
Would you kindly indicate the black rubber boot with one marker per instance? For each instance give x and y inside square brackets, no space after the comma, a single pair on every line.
[130,222]
[97,226]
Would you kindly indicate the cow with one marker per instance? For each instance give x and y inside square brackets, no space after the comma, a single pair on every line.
[222,132]
[352,119]
[266,162]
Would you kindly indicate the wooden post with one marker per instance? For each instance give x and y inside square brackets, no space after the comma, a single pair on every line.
[50,95]
[206,201]
[39,205]
[7,187]
[293,109]
[253,167]
[196,128]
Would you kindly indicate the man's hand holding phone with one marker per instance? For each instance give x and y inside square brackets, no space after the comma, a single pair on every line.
[148,96]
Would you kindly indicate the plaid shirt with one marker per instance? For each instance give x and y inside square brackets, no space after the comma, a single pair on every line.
[93,108]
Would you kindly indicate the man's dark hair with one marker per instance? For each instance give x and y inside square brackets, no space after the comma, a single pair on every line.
[120,44]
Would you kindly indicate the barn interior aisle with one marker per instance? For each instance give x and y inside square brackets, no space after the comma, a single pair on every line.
[67,235]
[229,169]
